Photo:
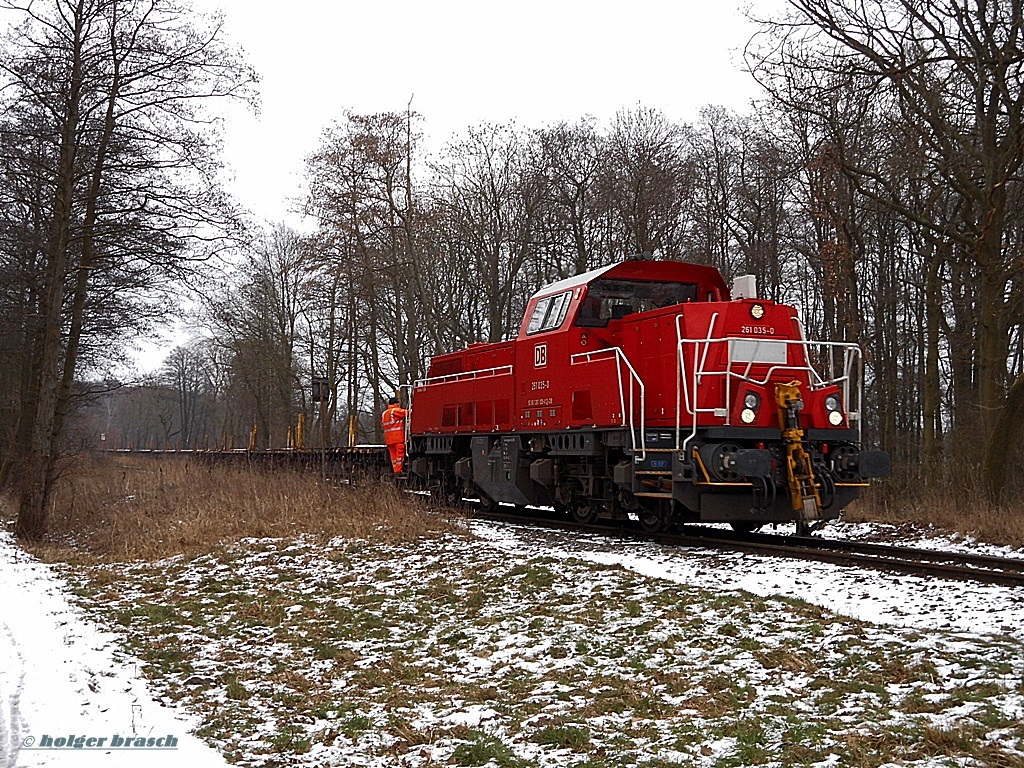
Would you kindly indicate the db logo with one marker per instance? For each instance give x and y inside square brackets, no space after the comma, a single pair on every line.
[540,355]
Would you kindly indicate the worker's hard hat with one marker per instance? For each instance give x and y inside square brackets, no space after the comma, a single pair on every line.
[393,401]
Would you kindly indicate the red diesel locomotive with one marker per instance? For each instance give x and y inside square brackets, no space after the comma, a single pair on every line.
[643,390]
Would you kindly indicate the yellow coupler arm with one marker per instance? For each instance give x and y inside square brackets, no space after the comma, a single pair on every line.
[803,490]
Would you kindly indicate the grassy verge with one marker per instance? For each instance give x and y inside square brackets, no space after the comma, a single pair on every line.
[137,508]
[309,624]
[944,509]
[298,652]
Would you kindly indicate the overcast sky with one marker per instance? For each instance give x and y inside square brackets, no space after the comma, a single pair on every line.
[534,61]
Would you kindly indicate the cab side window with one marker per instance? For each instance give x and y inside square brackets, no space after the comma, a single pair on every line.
[549,312]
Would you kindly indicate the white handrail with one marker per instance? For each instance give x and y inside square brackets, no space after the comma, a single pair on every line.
[852,359]
[620,357]
[707,341]
[408,414]
[503,370]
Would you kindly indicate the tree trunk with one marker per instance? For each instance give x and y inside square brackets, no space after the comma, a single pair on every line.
[38,466]
[1002,444]
[931,394]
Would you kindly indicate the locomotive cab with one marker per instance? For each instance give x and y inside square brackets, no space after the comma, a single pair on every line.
[640,390]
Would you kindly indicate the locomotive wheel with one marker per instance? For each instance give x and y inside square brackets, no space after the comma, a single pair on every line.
[572,499]
[827,491]
[655,520]
[652,520]
[487,504]
[840,456]
[446,492]
[764,492]
[585,513]
[453,496]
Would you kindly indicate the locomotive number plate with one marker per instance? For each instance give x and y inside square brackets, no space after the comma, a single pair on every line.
[758,330]
[540,355]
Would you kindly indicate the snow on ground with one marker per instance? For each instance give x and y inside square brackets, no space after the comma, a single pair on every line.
[876,596]
[299,653]
[524,647]
[911,535]
[61,677]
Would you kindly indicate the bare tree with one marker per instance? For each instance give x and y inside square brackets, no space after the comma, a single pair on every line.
[572,232]
[363,195]
[187,372]
[949,75]
[113,89]
[490,201]
[258,320]
[647,180]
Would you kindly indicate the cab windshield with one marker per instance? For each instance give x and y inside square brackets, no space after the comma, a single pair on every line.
[609,299]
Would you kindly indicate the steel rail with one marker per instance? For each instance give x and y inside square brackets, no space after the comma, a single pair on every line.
[1005,571]
[922,562]
[1010,564]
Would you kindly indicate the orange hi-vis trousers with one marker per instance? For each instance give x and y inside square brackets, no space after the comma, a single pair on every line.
[397,451]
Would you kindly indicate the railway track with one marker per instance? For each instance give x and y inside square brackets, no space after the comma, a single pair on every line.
[1002,571]
[947,565]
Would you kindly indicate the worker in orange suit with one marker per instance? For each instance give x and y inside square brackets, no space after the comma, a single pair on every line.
[393,421]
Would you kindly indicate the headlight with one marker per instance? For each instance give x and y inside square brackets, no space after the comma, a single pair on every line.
[747,415]
[751,400]
[832,404]
[835,418]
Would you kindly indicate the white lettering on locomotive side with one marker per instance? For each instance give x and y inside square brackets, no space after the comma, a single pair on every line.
[540,355]
[540,385]
[758,330]
[540,401]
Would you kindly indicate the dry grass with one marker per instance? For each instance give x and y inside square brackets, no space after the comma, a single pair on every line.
[139,508]
[959,510]
[146,508]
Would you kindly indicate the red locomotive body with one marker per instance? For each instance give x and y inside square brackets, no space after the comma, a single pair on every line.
[642,389]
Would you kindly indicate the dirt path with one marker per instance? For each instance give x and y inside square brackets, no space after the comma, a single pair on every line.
[62,679]
[12,680]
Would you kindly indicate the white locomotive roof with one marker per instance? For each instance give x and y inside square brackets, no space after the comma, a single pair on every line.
[572,282]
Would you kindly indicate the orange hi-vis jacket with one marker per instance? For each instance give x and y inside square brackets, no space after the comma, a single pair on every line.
[393,421]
